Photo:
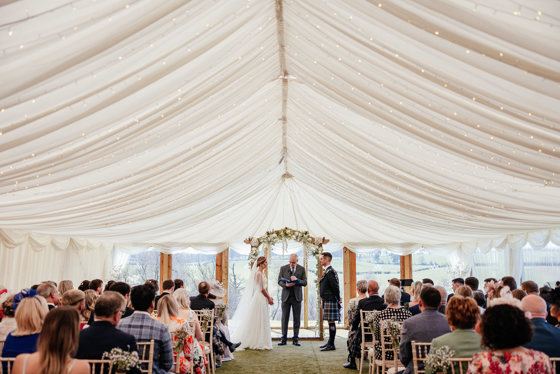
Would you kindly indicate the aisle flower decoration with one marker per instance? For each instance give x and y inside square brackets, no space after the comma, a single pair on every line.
[181,335]
[122,360]
[370,319]
[220,311]
[206,315]
[394,330]
[440,359]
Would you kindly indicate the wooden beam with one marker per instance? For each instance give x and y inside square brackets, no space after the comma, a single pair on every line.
[225,273]
[349,272]
[219,266]
[165,268]
[406,269]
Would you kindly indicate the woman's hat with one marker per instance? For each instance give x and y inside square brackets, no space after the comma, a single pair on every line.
[217,289]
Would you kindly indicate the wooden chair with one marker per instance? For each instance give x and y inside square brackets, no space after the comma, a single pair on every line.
[100,366]
[419,353]
[146,355]
[386,342]
[206,321]
[367,347]
[6,363]
[176,357]
[460,365]
[555,361]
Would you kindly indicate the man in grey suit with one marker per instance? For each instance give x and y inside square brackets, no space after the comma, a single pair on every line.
[291,278]
[422,327]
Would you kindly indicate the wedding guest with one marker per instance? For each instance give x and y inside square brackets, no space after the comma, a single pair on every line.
[144,328]
[216,293]
[109,285]
[64,286]
[462,315]
[456,283]
[30,314]
[84,285]
[178,283]
[472,282]
[519,294]
[201,301]
[354,342]
[405,297]
[102,335]
[192,352]
[76,299]
[185,312]
[530,287]
[443,294]
[478,296]
[154,284]
[124,289]
[97,286]
[49,291]
[424,327]
[554,301]
[505,329]
[415,309]
[416,290]
[361,290]
[58,340]
[393,312]
[329,291]
[8,323]
[428,281]
[168,287]
[90,298]
[510,282]
[546,337]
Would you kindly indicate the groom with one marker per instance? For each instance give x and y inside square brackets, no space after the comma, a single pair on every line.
[291,278]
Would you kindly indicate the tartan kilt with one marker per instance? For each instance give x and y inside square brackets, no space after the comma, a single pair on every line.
[331,310]
[354,343]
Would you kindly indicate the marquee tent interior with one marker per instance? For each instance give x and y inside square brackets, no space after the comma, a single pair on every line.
[177,124]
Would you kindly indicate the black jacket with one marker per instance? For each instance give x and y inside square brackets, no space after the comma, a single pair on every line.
[159,297]
[328,285]
[374,302]
[201,302]
[101,337]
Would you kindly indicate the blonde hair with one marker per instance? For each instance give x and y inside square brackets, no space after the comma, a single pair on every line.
[181,295]
[91,298]
[167,308]
[30,315]
[65,285]
[416,290]
[58,339]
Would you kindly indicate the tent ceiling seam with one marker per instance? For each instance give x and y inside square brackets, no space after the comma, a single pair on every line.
[284,77]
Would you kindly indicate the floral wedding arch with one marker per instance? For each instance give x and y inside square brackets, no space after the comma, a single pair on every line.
[311,246]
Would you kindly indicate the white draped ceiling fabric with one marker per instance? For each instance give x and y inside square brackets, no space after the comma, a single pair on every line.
[393,124]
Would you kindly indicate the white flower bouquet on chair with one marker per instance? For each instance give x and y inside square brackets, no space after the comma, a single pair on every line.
[122,360]
[440,360]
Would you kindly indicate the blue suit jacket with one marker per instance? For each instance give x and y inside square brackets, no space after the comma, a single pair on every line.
[546,338]
[423,328]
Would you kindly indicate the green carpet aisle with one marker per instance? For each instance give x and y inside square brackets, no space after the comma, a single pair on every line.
[306,359]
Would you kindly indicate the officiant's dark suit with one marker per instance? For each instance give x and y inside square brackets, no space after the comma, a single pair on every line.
[291,297]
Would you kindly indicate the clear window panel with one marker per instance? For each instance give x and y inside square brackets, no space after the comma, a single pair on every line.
[138,268]
[436,266]
[379,266]
[238,270]
[489,265]
[541,265]
[193,268]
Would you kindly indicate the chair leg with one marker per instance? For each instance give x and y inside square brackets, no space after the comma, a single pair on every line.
[361,361]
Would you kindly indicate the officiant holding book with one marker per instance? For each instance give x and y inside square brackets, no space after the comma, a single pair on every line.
[291,278]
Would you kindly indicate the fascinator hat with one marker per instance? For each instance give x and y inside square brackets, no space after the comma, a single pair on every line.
[217,289]
[26,292]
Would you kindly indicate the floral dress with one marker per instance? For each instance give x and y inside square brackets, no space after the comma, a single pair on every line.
[191,353]
[530,362]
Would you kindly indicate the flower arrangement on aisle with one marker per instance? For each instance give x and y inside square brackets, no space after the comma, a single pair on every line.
[122,360]
[220,311]
[311,246]
[180,335]
[440,359]
[394,329]
[206,315]
[370,319]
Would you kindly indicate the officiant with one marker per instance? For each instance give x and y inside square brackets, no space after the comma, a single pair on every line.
[291,278]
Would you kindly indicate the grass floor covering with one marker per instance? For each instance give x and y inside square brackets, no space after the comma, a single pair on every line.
[290,359]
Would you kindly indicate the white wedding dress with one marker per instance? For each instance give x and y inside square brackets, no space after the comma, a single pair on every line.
[250,324]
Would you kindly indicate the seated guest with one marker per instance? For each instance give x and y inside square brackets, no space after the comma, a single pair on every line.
[144,327]
[478,296]
[393,312]
[84,285]
[405,297]
[8,323]
[201,301]
[154,284]
[504,330]
[58,340]
[184,302]
[124,289]
[415,309]
[97,286]
[472,282]
[109,285]
[424,327]
[90,299]
[168,287]
[65,285]
[49,291]
[530,287]
[361,289]
[546,338]
[178,284]
[510,282]
[415,294]
[554,301]
[428,281]
[462,315]
[192,352]
[354,343]
[443,303]
[456,283]
[519,294]
[76,299]
[102,335]
[30,314]
[217,292]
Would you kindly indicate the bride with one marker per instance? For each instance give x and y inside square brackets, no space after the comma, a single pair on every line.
[251,322]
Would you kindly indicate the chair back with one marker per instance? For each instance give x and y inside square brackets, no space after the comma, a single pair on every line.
[206,321]
[368,336]
[419,353]
[555,361]
[460,365]
[6,364]
[389,346]
[146,355]
[100,366]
